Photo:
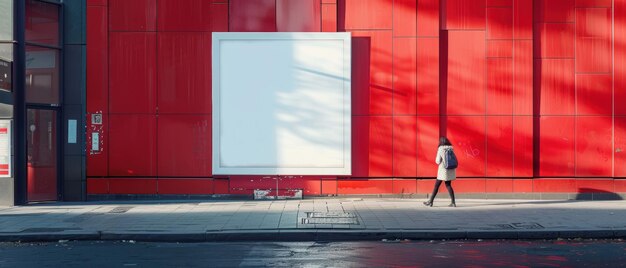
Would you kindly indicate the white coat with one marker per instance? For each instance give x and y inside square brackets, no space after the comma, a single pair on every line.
[444,174]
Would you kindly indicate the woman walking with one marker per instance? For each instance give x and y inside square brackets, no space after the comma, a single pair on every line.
[444,173]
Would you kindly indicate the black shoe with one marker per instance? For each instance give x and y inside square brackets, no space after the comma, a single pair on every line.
[452,205]
[428,204]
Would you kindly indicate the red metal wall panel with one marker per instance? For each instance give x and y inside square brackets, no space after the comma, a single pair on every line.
[97,186]
[132,186]
[619,152]
[556,146]
[190,16]
[364,186]
[184,186]
[97,2]
[594,155]
[593,40]
[184,145]
[499,154]
[404,18]
[98,161]
[425,186]
[620,185]
[132,83]
[427,76]
[550,185]
[404,186]
[371,73]
[184,80]
[500,23]
[499,186]
[364,14]
[593,94]
[298,16]
[595,186]
[219,17]
[427,142]
[554,10]
[467,134]
[97,59]
[523,77]
[428,18]
[310,185]
[464,15]
[97,84]
[522,186]
[522,19]
[371,146]
[404,146]
[554,40]
[136,15]
[593,3]
[246,184]
[252,16]
[571,76]
[132,147]
[329,18]
[468,186]
[554,84]
[221,186]
[620,55]
[499,48]
[523,146]
[329,187]
[404,76]
[466,73]
[499,3]
[499,86]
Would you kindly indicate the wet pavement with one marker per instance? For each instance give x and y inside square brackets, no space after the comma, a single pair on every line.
[332,219]
[458,253]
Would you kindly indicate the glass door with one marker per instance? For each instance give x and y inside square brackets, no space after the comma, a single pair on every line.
[42,154]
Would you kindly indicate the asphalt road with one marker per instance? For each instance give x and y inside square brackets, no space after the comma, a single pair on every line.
[466,253]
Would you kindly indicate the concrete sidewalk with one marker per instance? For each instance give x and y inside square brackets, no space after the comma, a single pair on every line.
[336,219]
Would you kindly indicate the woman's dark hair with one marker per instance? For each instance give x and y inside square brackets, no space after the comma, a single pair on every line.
[444,141]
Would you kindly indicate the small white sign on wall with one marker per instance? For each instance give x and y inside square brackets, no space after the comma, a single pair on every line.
[71,131]
[281,103]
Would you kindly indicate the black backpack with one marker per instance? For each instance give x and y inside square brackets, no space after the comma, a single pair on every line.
[449,159]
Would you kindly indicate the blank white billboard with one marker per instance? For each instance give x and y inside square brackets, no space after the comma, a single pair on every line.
[281,103]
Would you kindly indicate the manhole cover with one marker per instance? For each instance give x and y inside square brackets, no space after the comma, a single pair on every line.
[331,217]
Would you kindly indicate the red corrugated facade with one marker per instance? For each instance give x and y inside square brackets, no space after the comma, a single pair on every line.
[530,92]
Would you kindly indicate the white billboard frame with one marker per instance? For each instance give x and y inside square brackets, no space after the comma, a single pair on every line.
[293,92]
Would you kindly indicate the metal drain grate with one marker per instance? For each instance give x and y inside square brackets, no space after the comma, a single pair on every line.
[120,209]
[329,218]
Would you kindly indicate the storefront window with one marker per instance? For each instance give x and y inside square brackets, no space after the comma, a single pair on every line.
[6,20]
[6,51]
[42,23]
[42,75]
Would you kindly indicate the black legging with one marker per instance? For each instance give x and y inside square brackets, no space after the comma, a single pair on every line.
[436,189]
